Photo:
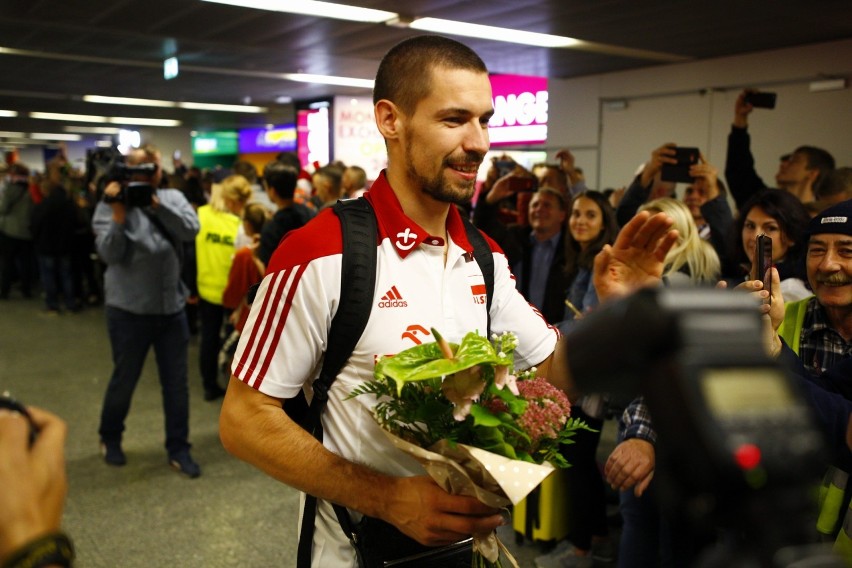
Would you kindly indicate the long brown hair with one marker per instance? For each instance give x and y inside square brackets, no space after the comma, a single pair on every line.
[575,257]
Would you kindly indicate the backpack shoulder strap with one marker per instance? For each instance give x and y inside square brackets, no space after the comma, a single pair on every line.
[357,287]
[485,259]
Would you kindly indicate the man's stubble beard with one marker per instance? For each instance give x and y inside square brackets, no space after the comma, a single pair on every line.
[437,187]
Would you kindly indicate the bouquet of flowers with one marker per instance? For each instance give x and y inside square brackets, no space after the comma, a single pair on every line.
[477,428]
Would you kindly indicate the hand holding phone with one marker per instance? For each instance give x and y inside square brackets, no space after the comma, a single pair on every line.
[504,167]
[761,99]
[685,158]
[519,184]
[763,263]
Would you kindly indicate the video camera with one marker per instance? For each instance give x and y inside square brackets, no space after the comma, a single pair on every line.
[738,449]
[106,165]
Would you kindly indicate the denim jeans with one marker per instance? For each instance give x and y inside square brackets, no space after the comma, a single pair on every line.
[52,268]
[131,336]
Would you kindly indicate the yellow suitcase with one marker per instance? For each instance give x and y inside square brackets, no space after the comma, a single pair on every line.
[543,515]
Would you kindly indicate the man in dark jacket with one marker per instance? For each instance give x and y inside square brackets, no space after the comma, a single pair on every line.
[536,253]
[279,180]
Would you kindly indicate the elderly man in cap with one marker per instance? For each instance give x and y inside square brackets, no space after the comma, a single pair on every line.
[819,328]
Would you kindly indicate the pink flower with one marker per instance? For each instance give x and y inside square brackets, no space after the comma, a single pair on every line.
[547,412]
[463,389]
[502,378]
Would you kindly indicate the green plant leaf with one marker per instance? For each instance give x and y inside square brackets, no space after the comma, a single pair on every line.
[483,417]
[426,361]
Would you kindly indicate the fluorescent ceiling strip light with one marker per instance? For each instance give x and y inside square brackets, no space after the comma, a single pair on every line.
[143,121]
[127,101]
[491,32]
[8,113]
[105,119]
[314,8]
[92,129]
[12,143]
[330,80]
[49,136]
[69,117]
[536,39]
[12,134]
[224,108]
[171,104]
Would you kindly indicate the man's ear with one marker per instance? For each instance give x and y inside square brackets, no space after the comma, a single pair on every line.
[388,119]
[812,174]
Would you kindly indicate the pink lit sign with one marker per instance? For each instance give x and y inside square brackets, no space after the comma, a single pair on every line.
[520,110]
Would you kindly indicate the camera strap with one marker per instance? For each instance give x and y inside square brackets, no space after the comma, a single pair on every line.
[166,233]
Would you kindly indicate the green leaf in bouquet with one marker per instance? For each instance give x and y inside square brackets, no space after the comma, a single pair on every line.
[492,440]
[427,361]
[432,410]
[483,417]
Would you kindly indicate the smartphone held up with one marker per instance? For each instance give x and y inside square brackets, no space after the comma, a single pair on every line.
[759,99]
[679,172]
[763,263]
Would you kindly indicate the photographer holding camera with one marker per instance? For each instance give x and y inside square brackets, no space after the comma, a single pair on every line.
[139,235]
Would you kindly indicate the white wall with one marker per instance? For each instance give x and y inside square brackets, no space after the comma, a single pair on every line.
[692,104]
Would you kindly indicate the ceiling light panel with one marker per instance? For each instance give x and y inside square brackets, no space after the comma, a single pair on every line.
[143,121]
[223,108]
[452,27]
[127,101]
[58,137]
[92,129]
[124,120]
[330,80]
[68,117]
[314,8]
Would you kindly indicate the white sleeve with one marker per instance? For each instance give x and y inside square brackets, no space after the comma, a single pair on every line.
[510,311]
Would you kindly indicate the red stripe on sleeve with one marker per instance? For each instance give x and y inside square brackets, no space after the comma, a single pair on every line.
[255,344]
[282,318]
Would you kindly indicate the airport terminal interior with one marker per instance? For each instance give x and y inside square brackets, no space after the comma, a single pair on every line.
[214,82]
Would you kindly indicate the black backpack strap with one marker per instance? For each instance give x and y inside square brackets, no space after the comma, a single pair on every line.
[357,288]
[485,259]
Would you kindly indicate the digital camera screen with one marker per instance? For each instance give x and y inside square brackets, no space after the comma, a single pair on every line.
[733,392]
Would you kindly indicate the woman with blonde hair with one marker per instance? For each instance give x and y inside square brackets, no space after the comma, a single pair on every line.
[692,259]
[232,195]
[215,244]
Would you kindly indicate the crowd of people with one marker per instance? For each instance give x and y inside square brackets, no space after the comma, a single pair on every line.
[191,252]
